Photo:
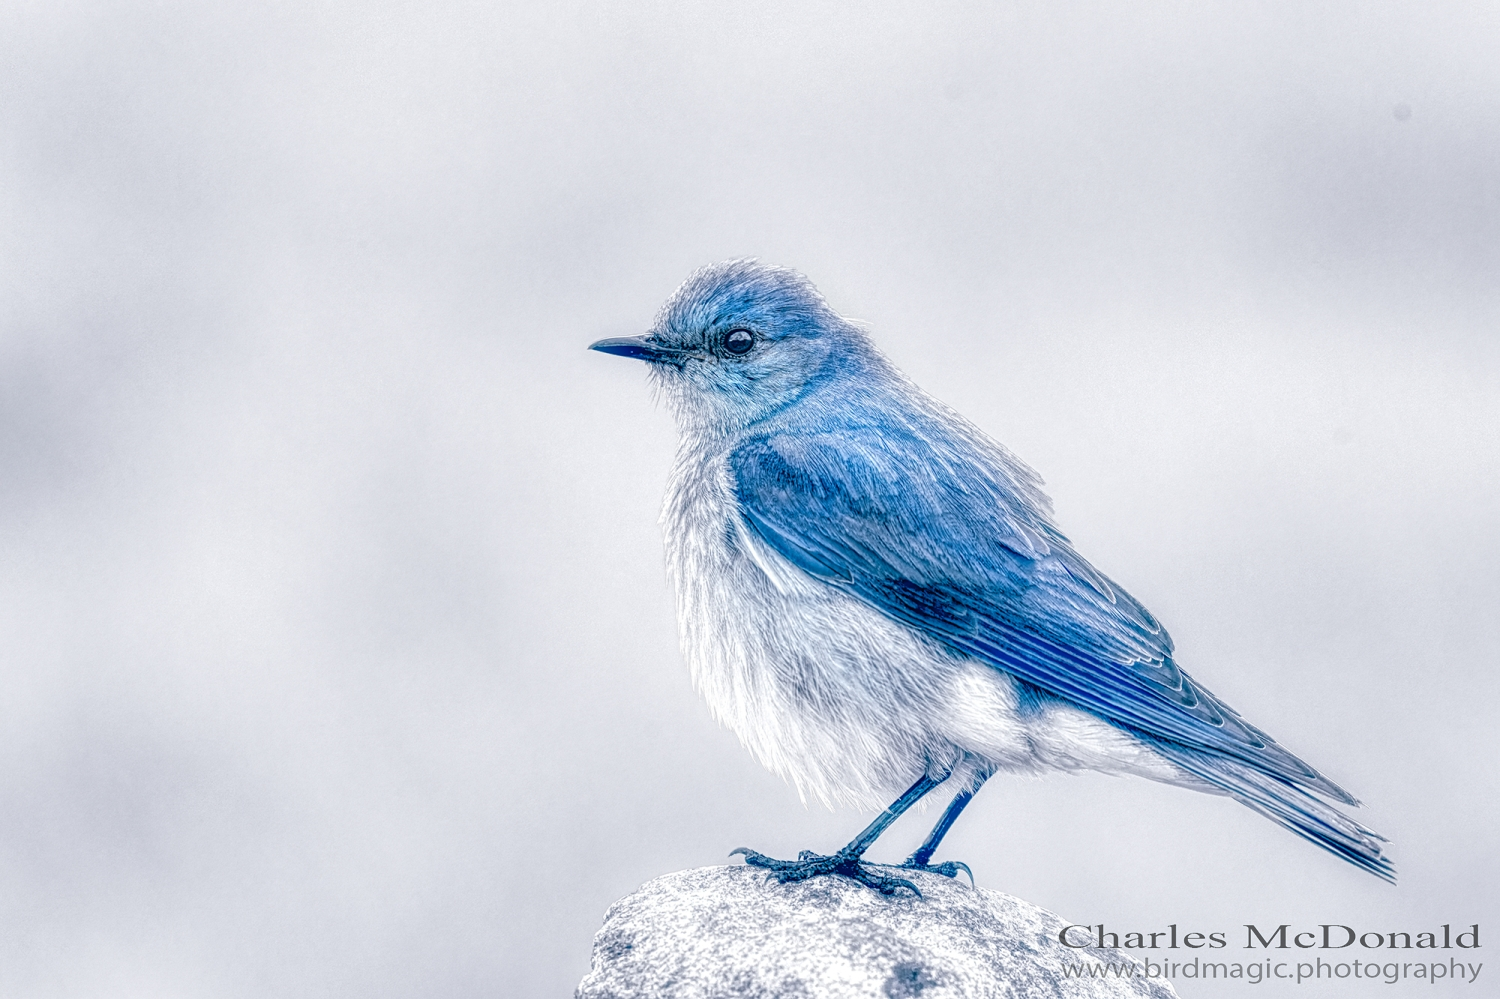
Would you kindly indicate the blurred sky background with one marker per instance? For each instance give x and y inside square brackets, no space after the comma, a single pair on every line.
[338,654]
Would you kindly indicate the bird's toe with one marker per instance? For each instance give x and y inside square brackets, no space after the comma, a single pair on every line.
[810,865]
[948,869]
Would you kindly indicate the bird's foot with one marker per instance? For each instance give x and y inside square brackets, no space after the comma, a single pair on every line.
[811,865]
[948,869]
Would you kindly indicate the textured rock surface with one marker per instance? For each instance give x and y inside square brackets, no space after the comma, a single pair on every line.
[725,933]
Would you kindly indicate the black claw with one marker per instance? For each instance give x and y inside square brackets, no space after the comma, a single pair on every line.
[888,886]
[948,869]
[952,867]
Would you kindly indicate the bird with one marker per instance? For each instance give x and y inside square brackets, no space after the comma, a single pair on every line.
[874,594]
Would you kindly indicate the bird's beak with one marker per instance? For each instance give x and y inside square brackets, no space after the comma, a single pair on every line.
[637,346]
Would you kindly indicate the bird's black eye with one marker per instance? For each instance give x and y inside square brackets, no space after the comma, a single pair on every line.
[739,341]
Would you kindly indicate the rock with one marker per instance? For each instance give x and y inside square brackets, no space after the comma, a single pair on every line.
[727,933]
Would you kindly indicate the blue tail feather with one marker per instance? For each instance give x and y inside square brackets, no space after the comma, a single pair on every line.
[1287,805]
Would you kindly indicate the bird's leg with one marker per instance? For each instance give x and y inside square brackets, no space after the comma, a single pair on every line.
[919,861]
[847,863]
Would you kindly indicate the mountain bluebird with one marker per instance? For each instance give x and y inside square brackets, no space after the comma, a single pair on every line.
[872,593]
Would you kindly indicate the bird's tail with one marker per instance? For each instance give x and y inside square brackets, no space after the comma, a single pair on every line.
[1288,805]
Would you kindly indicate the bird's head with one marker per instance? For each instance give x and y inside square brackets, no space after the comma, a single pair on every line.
[742,340]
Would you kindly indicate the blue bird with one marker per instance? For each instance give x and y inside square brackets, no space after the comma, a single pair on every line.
[873,594]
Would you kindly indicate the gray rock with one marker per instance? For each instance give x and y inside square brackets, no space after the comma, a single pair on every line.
[726,933]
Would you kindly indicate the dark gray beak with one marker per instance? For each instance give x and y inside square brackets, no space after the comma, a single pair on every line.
[637,346]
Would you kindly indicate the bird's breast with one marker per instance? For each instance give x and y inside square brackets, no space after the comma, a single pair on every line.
[820,686]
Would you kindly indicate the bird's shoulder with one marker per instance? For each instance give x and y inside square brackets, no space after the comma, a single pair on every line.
[911,473]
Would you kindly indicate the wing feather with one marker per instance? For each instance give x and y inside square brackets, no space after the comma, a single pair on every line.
[935,532]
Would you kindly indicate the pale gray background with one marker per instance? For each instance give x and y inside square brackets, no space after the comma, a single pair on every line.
[338,655]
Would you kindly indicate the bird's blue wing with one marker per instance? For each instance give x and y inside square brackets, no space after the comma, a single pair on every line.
[933,532]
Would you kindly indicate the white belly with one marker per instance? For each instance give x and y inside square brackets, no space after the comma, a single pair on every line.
[825,690]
